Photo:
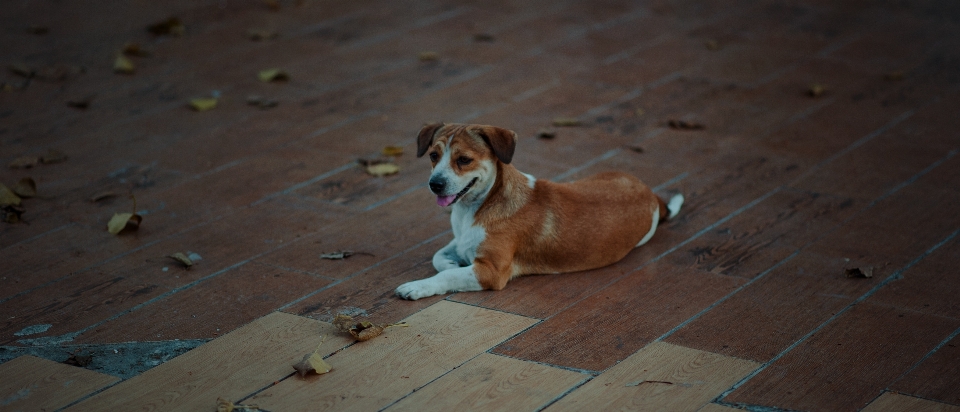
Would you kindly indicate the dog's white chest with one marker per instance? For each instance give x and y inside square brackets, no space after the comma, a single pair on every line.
[467,235]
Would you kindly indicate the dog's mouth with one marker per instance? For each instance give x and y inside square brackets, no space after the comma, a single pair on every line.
[445,201]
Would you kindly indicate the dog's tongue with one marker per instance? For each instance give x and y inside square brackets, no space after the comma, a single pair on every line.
[445,200]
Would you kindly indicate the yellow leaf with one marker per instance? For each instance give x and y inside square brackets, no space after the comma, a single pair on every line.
[202,104]
[566,122]
[261,34]
[134,49]
[123,65]
[8,197]
[53,156]
[429,56]
[382,169]
[816,90]
[25,188]
[182,258]
[273,75]
[392,151]
[172,26]
[312,362]
[121,221]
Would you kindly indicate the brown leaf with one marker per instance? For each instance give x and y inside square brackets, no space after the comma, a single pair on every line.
[382,169]
[102,195]
[391,151]
[712,45]
[566,121]
[860,272]
[273,75]
[24,162]
[483,37]
[53,156]
[312,362]
[546,133]
[371,162]
[261,102]
[361,331]
[25,188]
[79,360]
[81,103]
[171,27]
[343,322]
[182,258]
[224,405]
[134,49]
[272,4]
[816,90]
[636,149]
[123,65]
[261,34]
[895,75]
[8,197]
[12,213]
[684,125]
[123,221]
[428,56]
[337,255]
[21,69]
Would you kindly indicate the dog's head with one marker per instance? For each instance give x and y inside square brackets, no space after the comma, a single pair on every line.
[464,159]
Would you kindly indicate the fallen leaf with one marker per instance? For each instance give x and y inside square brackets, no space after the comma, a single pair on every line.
[361,331]
[312,362]
[24,162]
[25,188]
[371,162]
[123,65]
[546,133]
[82,103]
[38,30]
[392,151]
[337,255]
[483,37]
[8,197]
[816,90]
[261,34]
[566,121]
[273,75]
[21,69]
[684,125]
[182,258]
[712,45]
[428,56]
[53,156]
[636,149]
[57,73]
[134,49]
[172,26]
[224,405]
[122,221]
[202,104]
[102,195]
[261,102]
[895,75]
[861,272]
[12,213]
[79,360]
[382,169]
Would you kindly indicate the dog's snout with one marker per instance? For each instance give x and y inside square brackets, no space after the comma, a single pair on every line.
[437,186]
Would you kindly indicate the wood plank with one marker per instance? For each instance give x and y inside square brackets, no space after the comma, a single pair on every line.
[890,401]
[376,373]
[493,383]
[640,382]
[231,367]
[712,407]
[31,383]
[937,377]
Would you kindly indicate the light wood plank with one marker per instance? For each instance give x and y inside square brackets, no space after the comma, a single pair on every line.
[232,366]
[492,383]
[28,383]
[695,378]
[373,374]
[712,407]
[896,402]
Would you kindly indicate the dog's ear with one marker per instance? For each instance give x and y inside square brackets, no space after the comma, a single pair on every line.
[502,141]
[426,137]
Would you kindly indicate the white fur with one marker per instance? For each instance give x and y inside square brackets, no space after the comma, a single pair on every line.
[653,226]
[450,280]
[674,205]
[531,181]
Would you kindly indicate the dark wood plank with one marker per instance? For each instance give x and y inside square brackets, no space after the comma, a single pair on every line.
[937,377]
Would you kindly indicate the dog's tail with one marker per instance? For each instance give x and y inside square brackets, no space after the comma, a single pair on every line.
[669,209]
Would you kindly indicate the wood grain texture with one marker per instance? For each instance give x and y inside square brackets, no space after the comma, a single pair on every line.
[29,383]
[937,377]
[712,407]
[231,367]
[374,374]
[660,376]
[890,401]
[492,383]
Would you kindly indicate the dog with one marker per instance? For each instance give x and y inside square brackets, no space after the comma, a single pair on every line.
[507,223]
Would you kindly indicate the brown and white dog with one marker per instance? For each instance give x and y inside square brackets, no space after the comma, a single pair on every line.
[507,223]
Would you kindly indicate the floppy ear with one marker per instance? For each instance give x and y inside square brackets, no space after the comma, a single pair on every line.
[502,141]
[426,137]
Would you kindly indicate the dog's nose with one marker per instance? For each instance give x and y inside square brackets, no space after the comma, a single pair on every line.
[437,186]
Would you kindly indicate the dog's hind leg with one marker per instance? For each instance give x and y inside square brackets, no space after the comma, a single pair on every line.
[654,220]
[450,280]
[446,258]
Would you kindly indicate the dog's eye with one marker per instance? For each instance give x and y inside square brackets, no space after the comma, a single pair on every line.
[463,161]
[434,157]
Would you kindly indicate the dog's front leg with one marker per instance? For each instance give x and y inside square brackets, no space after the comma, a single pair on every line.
[446,258]
[459,279]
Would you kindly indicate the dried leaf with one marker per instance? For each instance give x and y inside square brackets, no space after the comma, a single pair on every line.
[261,102]
[224,405]
[428,56]
[123,65]
[546,133]
[684,125]
[102,195]
[38,30]
[79,360]
[816,90]
[894,75]
[343,322]
[21,69]
[272,4]
[202,104]
[382,169]
[712,45]
[53,156]
[483,37]
[25,188]
[861,272]
[312,362]
[566,121]
[134,49]
[122,221]
[12,213]
[337,255]
[392,151]
[273,75]
[8,197]
[371,162]
[261,34]
[172,26]
[636,149]
[361,331]
[82,103]
[182,258]
[24,162]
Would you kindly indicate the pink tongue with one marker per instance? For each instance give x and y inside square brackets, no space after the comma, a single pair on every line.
[445,200]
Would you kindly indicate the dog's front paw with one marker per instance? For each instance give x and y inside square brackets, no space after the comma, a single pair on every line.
[416,290]
[444,264]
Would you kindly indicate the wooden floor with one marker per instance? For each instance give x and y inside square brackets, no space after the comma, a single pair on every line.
[829,143]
